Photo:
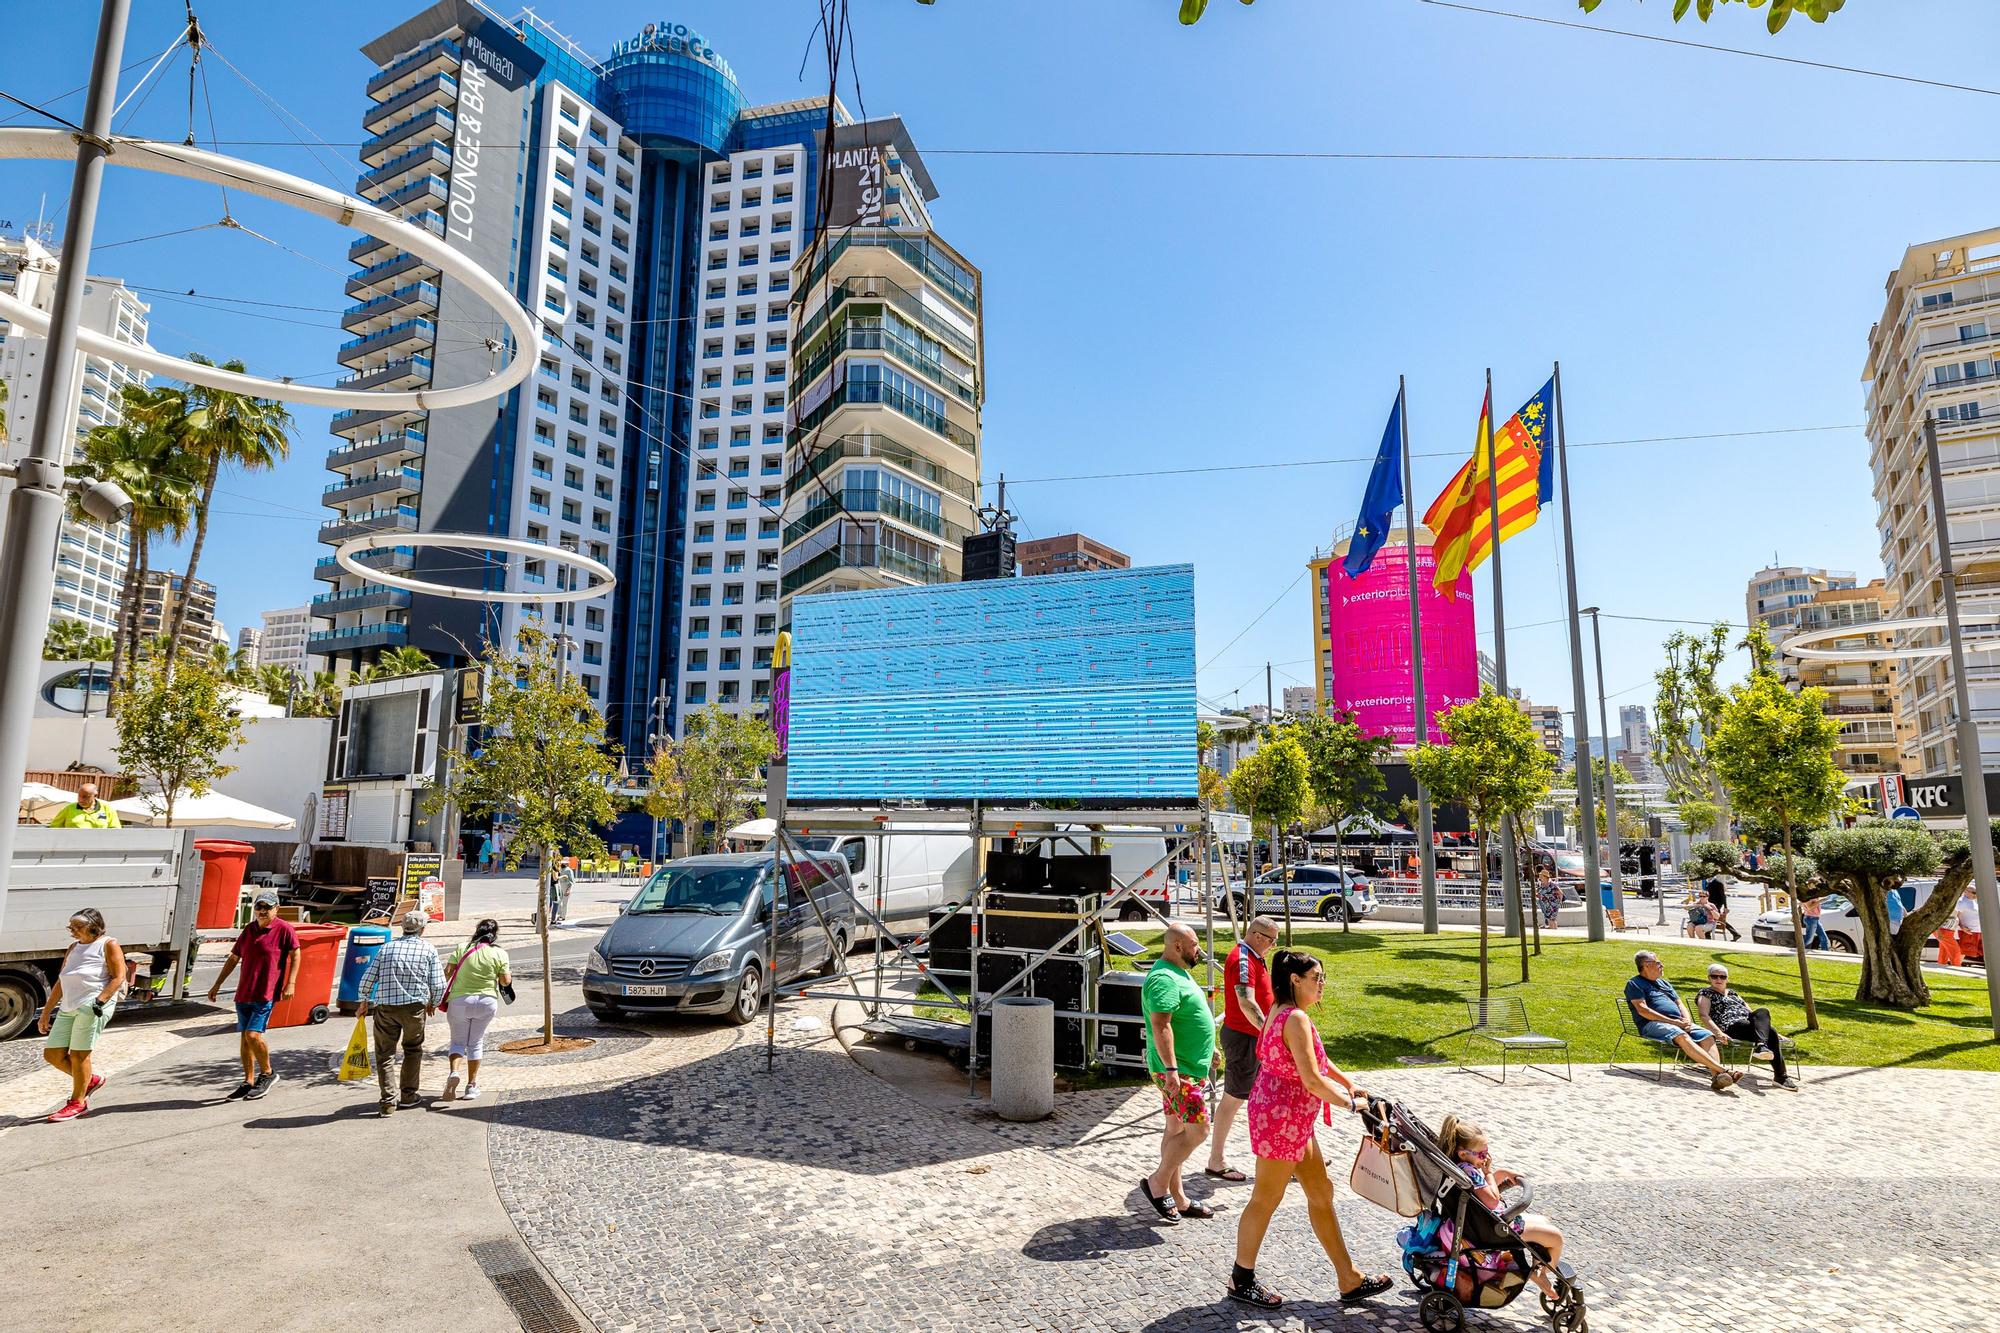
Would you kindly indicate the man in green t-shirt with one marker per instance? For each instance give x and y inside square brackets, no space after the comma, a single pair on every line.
[1180,1054]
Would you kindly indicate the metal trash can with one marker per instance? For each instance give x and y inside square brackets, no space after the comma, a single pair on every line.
[1024,1058]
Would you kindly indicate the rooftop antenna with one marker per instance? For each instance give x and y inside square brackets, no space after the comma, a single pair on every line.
[996,517]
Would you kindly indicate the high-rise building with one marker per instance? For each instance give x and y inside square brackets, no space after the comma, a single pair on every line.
[1930,354]
[282,639]
[247,640]
[1547,720]
[1860,693]
[91,558]
[160,591]
[1773,596]
[1071,553]
[1299,700]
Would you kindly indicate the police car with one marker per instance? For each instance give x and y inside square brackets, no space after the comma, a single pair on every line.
[1322,891]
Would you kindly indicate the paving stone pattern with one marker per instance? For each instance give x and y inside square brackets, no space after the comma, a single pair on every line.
[713,1196]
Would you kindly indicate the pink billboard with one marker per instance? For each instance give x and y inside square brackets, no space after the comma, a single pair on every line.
[1368,621]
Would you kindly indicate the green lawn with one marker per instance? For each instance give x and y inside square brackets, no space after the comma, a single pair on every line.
[1393,993]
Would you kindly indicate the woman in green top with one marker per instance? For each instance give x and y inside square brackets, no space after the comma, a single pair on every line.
[474,975]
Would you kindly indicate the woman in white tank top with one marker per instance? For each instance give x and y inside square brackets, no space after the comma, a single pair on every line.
[93,974]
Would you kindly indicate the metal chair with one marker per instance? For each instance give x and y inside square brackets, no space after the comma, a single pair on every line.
[1503,1022]
[1666,1054]
[1728,1055]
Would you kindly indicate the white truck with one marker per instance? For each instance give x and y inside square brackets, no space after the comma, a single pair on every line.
[146,882]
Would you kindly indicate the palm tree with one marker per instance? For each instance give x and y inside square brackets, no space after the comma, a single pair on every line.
[395,662]
[276,681]
[143,460]
[223,429]
[319,697]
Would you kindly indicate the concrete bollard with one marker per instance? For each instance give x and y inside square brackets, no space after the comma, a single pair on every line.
[1024,1058]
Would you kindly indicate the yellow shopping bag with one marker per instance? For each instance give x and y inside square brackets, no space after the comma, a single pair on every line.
[355,1064]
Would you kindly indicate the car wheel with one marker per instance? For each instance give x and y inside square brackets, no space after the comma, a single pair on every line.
[1242,908]
[1841,944]
[1132,912]
[20,998]
[836,962]
[749,996]
[1332,910]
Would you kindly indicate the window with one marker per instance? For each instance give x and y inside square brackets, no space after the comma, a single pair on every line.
[697,692]
[697,659]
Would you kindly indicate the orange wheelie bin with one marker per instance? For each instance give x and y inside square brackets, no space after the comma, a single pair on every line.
[312,989]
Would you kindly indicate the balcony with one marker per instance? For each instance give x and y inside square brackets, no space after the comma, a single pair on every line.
[424,189]
[436,124]
[434,92]
[395,559]
[411,298]
[874,393]
[927,256]
[407,335]
[406,373]
[402,518]
[430,58]
[383,634]
[400,481]
[330,604]
[353,421]
[895,294]
[382,276]
[425,159]
[373,250]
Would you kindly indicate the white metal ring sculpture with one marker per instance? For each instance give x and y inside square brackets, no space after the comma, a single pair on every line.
[349,553]
[1800,645]
[341,210]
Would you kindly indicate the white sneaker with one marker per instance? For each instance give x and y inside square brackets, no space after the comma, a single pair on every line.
[451,1088]
[471,1091]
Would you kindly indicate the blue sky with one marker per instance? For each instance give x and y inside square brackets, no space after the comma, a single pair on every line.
[1147,314]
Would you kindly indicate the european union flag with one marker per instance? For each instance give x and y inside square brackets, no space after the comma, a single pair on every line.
[1378,503]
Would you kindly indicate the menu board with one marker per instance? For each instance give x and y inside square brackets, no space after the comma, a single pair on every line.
[333,815]
[423,879]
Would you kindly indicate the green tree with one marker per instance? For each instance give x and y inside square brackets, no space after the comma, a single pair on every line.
[1191,10]
[1496,768]
[317,696]
[216,429]
[1779,14]
[1344,768]
[394,662]
[1273,785]
[542,758]
[1866,862]
[706,777]
[1688,708]
[1773,751]
[172,733]
[74,641]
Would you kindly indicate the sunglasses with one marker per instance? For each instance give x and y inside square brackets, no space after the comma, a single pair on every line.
[262,908]
[1479,1154]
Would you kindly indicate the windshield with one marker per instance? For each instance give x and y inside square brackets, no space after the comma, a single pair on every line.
[815,844]
[1833,902]
[718,890]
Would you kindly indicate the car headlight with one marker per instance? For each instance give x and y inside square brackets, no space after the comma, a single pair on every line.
[597,962]
[719,961]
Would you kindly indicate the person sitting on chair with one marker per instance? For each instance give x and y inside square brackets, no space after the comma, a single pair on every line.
[1733,1019]
[1657,1008]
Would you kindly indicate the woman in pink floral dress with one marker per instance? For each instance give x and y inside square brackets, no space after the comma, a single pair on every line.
[1296,1087]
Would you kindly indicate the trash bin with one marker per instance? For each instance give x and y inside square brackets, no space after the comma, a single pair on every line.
[362,942]
[312,988]
[222,865]
[1024,1058]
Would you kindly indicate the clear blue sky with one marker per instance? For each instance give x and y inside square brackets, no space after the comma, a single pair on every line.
[1151,314]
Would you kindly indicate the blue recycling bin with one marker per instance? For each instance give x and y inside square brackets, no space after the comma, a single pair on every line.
[362,942]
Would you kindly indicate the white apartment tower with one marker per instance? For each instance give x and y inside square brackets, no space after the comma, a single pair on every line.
[91,557]
[1931,354]
[281,641]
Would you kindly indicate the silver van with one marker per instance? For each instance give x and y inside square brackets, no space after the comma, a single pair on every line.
[695,939]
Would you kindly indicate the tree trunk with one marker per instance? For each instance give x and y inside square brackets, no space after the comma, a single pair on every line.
[546,883]
[128,596]
[1534,920]
[1284,879]
[1799,932]
[1340,869]
[1892,963]
[142,563]
[1483,987]
[194,558]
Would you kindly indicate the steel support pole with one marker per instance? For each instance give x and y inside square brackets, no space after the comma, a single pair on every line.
[1610,781]
[1509,870]
[1971,761]
[1593,903]
[1426,853]
[35,509]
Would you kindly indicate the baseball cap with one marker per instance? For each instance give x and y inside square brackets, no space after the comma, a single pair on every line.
[265,898]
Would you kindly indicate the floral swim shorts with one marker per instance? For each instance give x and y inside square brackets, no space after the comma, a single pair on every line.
[1189,1105]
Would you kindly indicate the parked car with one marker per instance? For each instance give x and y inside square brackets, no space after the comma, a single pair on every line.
[1322,891]
[696,938]
[1837,915]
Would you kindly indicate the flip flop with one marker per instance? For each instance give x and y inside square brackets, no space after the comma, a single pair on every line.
[1368,1289]
[1228,1173]
[1162,1204]
[1198,1210]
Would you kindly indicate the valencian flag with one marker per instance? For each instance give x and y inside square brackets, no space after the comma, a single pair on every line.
[1379,501]
[1460,519]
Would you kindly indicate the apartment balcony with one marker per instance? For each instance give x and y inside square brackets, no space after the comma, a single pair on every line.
[383,634]
[432,126]
[426,189]
[431,58]
[406,337]
[426,159]
[434,92]
[396,482]
[863,555]
[375,422]
[375,314]
[882,290]
[402,518]
[330,604]
[410,372]
[375,254]
[927,257]
[875,393]
[394,559]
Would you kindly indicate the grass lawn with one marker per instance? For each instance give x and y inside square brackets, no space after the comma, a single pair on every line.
[1394,993]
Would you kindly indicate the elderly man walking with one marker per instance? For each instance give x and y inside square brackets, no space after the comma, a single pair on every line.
[1661,1016]
[1180,1055]
[401,988]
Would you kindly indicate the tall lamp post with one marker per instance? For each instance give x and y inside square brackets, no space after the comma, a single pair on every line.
[1610,782]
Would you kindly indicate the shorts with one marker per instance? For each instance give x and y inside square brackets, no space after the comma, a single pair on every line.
[1658,1031]
[1189,1106]
[1239,1063]
[77,1029]
[253,1017]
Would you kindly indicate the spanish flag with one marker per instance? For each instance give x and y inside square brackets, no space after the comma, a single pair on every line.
[1460,519]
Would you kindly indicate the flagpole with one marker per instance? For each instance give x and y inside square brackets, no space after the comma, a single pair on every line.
[1509,873]
[1593,901]
[1426,858]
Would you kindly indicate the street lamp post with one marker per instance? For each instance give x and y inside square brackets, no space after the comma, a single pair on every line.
[1610,782]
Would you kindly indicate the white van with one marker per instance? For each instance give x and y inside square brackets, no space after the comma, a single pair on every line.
[1138,856]
[922,868]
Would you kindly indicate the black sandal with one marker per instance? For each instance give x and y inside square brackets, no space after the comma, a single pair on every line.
[1198,1210]
[1368,1289]
[1162,1204]
[1255,1293]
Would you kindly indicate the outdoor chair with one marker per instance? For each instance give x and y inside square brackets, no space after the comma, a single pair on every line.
[1502,1021]
[1665,1053]
[1729,1055]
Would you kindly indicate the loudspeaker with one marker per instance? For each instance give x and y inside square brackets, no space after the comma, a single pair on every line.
[1080,874]
[950,936]
[989,555]
[1121,1043]
[1039,921]
[1068,980]
[1016,872]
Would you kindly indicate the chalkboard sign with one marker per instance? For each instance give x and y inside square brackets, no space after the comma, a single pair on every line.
[381,894]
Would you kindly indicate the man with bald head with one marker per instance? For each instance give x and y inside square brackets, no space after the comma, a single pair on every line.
[1180,1055]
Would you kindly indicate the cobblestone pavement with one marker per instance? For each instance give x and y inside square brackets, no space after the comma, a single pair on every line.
[714,1196]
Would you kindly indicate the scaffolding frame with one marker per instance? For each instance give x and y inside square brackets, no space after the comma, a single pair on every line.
[1178,829]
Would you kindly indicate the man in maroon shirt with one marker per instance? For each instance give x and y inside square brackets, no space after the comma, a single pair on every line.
[268,950]
[1246,1003]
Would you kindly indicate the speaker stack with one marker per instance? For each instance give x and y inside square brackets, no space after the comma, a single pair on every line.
[1034,904]
[1121,1041]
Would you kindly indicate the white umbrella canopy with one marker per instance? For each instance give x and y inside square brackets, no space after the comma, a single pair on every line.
[308,830]
[42,802]
[754,830]
[210,811]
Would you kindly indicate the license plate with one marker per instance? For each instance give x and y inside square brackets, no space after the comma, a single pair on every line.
[648,990]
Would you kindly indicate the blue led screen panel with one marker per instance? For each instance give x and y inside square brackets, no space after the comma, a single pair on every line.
[1056,687]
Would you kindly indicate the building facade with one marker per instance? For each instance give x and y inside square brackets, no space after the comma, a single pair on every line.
[1299,700]
[1930,354]
[247,640]
[1861,693]
[1773,596]
[160,591]
[282,638]
[1547,720]
[92,558]
[1072,553]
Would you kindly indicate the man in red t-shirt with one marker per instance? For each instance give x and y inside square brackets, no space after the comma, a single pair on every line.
[268,950]
[1246,1003]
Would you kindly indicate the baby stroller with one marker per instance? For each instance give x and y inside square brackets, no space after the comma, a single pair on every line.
[1458,1251]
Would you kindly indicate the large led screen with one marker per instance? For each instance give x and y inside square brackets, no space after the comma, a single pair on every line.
[1057,687]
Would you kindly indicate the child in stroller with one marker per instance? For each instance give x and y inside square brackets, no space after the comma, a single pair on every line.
[1466,1247]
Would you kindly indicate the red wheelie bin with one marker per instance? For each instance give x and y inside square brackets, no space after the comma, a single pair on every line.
[312,990]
